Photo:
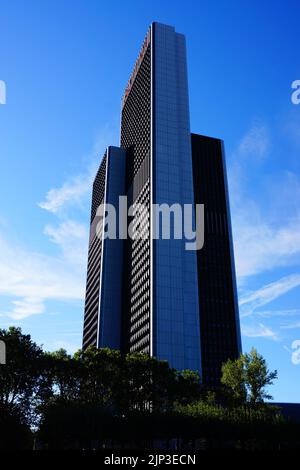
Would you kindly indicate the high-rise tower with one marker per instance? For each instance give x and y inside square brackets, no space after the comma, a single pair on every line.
[147,294]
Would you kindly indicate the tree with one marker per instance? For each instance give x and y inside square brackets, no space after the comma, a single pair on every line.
[233,377]
[188,386]
[247,377]
[146,381]
[258,376]
[20,378]
[63,373]
[100,375]
[14,432]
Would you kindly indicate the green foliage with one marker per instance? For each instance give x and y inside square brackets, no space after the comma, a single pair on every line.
[188,388]
[258,377]
[100,394]
[247,378]
[100,375]
[233,377]
[206,410]
[21,378]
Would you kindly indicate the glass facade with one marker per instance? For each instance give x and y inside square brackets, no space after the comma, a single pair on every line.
[176,333]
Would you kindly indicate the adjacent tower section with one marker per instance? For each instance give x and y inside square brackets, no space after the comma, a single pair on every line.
[104,287]
[218,307]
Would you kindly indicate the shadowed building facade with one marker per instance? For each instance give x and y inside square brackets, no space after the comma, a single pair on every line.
[218,306]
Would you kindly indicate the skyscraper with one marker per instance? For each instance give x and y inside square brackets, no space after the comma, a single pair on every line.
[150,293]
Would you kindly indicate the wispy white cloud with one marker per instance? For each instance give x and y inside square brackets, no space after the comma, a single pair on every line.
[252,149]
[266,294]
[30,279]
[71,192]
[26,307]
[260,247]
[72,237]
[256,142]
[261,240]
[291,326]
[75,188]
[279,313]
[259,331]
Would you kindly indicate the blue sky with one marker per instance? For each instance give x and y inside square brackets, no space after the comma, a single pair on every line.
[65,64]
